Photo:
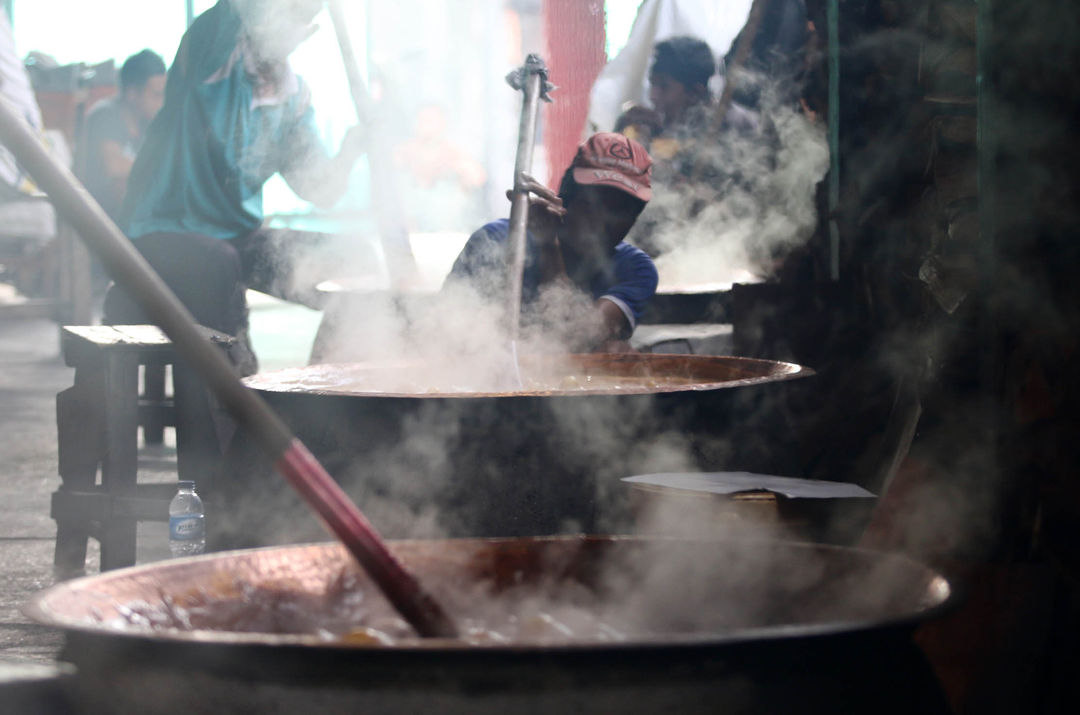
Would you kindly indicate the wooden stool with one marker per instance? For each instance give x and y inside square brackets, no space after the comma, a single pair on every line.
[97,424]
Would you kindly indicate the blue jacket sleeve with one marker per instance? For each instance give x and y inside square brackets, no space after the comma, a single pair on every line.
[635,283]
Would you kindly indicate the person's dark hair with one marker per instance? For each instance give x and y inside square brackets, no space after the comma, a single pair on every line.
[139,68]
[686,59]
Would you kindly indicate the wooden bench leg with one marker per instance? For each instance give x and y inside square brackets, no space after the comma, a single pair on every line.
[120,464]
[117,538]
[80,448]
[69,555]
[154,391]
[198,443]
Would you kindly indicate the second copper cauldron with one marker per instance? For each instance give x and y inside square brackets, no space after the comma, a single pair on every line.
[698,626]
[435,458]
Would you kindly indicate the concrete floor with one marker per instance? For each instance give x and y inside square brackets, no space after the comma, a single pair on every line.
[31,373]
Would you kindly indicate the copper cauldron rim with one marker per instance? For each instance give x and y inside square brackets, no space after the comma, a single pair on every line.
[777,371]
[39,610]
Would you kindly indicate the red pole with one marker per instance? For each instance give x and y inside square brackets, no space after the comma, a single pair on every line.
[575,51]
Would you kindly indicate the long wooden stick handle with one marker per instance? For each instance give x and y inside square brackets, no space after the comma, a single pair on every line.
[386,202]
[357,87]
[132,271]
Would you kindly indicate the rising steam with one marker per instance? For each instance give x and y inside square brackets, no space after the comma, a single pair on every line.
[753,203]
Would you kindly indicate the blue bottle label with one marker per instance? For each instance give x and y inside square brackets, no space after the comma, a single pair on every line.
[187,527]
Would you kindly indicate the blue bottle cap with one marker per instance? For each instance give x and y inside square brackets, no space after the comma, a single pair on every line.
[186,484]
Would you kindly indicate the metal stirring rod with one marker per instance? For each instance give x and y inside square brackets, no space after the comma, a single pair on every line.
[531,79]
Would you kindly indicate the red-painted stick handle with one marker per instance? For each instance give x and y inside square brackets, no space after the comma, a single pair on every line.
[131,270]
[347,522]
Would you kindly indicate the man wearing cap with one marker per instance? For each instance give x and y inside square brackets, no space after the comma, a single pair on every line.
[575,240]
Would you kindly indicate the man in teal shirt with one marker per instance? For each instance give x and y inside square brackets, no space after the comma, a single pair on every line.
[235,114]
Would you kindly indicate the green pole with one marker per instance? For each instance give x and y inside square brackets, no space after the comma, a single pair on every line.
[986,139]
[987,325]
[190,6]
[833,21]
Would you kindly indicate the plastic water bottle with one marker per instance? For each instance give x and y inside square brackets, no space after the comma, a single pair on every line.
[187,523]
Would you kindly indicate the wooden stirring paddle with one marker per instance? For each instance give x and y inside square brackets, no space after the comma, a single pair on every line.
[292,458]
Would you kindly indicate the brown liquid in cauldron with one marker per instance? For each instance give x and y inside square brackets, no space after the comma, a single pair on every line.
[339,380]
[582,590]
[347,613]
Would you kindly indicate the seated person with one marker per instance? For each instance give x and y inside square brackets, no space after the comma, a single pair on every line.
[235,114]
[27,221]
[442,182]
[115,128]
[17,91]
[682,104]
[575,241]
[697,163]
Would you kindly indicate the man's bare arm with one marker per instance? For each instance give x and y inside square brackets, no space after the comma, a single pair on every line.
[322,179]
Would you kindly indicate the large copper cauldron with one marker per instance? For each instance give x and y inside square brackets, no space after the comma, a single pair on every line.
[542,459]
[718,626]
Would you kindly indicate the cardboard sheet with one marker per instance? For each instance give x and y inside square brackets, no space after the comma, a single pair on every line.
[736,482]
